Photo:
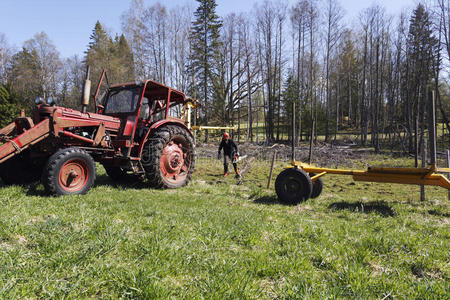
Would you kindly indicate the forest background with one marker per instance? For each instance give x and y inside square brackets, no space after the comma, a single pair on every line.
[372,80]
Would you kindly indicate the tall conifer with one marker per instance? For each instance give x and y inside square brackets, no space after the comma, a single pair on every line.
[205,44]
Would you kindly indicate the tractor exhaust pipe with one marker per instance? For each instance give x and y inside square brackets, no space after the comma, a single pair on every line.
[86,91]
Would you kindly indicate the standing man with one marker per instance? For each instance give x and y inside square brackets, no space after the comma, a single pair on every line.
[230,152]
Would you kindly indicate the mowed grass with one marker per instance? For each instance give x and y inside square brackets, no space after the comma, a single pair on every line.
[217,240]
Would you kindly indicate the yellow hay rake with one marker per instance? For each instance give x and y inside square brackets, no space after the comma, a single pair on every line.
[301,181]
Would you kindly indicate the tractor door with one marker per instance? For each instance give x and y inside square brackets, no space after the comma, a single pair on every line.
[124,103]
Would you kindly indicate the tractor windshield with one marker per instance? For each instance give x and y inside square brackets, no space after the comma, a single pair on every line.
[123,101]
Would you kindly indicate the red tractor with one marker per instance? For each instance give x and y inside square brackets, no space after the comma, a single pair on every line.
[134,131]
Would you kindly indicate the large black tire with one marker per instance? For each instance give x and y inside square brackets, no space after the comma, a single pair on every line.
[69,171]
[293,186]
[21,169]
[317,187]
[169,157]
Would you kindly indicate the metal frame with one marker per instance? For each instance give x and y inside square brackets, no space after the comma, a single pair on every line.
[419,176]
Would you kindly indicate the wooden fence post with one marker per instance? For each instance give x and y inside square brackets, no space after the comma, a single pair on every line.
[271,168]
[424,164]
[310,157]
[293,132]
[448,166]
[432,128]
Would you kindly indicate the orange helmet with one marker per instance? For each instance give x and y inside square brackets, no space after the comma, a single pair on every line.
[226,136]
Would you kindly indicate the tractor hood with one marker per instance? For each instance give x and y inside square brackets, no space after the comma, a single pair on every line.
[43,111]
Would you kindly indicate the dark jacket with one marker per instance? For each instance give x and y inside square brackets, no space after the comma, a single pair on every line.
[229,147]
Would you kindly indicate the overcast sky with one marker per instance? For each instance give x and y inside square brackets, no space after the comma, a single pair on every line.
[69,23]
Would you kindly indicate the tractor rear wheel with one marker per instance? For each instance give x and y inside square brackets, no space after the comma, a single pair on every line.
[169,157]
[293,186]
[69,171]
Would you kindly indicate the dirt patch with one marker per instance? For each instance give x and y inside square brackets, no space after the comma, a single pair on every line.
[323,154]
[200,182]
[378,269]
[6,246]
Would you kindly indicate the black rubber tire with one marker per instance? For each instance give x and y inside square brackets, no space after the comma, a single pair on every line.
[293,186]
[151,157]
[21,169]
[50,176]
[317,187]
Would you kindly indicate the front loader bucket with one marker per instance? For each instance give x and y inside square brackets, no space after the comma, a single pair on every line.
[28,137]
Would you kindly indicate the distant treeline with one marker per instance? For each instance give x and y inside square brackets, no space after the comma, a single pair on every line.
[247,69]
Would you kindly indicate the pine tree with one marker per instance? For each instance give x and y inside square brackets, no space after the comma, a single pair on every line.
[98,54]
[113,54]
[205,44]
[99,39]
[22,76]
[9,105]
[421,56]
[422,44]
[124,55]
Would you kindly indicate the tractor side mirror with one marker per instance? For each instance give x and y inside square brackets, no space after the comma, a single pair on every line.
[52,102]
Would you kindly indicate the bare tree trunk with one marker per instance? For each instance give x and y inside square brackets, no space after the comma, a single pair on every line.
[249,92]
[376,99]
[363,96]
[239,85]
[333,32]
[337,110]
[279,70]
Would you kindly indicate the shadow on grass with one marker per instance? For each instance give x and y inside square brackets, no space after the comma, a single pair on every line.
[381,208]
[128,182]
[30,189]
[438,213]
[35,189]
[267,200]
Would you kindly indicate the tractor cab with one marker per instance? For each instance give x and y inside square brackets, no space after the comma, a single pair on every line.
[141,106]
[146,102]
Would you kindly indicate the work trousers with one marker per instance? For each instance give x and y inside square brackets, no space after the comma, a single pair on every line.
[226,158]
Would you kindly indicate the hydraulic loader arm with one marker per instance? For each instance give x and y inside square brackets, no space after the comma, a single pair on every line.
[21,142]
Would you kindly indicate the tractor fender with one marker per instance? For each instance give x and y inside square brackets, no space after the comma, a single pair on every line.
[159,124]
[169,122]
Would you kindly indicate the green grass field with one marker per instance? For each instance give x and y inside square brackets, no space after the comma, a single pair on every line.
[215,239]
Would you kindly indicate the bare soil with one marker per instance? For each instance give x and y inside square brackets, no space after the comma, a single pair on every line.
[323,154]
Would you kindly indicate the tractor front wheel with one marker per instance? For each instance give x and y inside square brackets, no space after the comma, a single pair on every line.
[293,186]
[169,157]
[69,171]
